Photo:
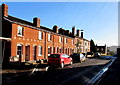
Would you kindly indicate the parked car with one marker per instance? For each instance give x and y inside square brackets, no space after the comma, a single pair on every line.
[59,60]
[97,54]
[89,54]
[78,57]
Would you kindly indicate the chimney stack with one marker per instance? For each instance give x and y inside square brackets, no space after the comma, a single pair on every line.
[81,34]
[55,29]
[73,30]
[4,10]
[60,30]
[36,21]
[67,32]
[78,33]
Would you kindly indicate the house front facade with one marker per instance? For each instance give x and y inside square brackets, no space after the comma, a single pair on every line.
[29,41]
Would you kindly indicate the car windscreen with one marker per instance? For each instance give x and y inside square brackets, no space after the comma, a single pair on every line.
[54,56]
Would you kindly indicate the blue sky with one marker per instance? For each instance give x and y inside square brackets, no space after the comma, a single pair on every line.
[99,20]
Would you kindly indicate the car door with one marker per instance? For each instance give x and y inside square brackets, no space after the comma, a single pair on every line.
[67,59]
[81,56]
[63,58]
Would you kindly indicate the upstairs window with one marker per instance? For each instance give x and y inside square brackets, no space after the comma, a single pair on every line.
[49,37]
[65,40]
[20,31]
[40,35]
[72,42]
[60,39]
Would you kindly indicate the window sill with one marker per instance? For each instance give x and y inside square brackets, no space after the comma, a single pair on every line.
[40,39]
[39,55]
[20,36]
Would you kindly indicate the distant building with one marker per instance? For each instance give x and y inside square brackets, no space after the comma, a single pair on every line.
[101,49]
[33,42]
[113,48]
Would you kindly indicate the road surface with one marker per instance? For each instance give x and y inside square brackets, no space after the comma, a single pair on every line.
[76,74]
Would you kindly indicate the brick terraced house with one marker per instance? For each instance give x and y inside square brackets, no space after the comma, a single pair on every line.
[29,41]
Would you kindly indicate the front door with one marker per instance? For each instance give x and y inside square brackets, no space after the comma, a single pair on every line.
[19,52]
[27,53]
[34,52]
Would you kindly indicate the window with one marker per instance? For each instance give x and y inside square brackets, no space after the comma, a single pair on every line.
[54,56]
[60,39]
[54,50]
[65,40]
[39,50]
[65,56]
[57,49]
[72,42]
[40,35]
[20,31]
[60,50]
[49,50]
[19,50]
[49,37]
[66,50]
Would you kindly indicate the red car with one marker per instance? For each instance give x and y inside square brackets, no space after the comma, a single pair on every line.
[59,60]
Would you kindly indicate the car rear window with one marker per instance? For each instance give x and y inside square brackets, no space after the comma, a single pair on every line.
[54,56]
[75,54]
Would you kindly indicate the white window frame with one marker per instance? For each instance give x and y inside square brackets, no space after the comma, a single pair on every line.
[72,42]
[48,37]
[20,31]
[50,50]
[65,41]
[39,50]
[60,39]
[39,35]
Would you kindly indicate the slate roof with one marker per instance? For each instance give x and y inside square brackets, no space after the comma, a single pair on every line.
[14,19]
[18,20]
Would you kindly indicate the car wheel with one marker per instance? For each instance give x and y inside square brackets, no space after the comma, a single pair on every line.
[80,61]
[62,65]
[71,62]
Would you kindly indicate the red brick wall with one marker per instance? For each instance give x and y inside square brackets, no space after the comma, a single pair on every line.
[30,37]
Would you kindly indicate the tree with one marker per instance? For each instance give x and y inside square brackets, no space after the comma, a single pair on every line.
[78,45]
[92,46]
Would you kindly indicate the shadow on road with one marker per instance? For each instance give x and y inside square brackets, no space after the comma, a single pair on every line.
[54,76]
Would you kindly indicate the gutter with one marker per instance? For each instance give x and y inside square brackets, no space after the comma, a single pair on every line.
[4,38]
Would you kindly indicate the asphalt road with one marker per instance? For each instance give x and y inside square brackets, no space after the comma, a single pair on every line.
[76,74]
[112,76]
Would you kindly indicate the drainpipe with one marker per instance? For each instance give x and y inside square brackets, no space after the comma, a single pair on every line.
[45,46]
[53,43]
[3,50]
[63,45]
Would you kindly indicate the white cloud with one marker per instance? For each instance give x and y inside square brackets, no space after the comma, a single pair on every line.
[107,43]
